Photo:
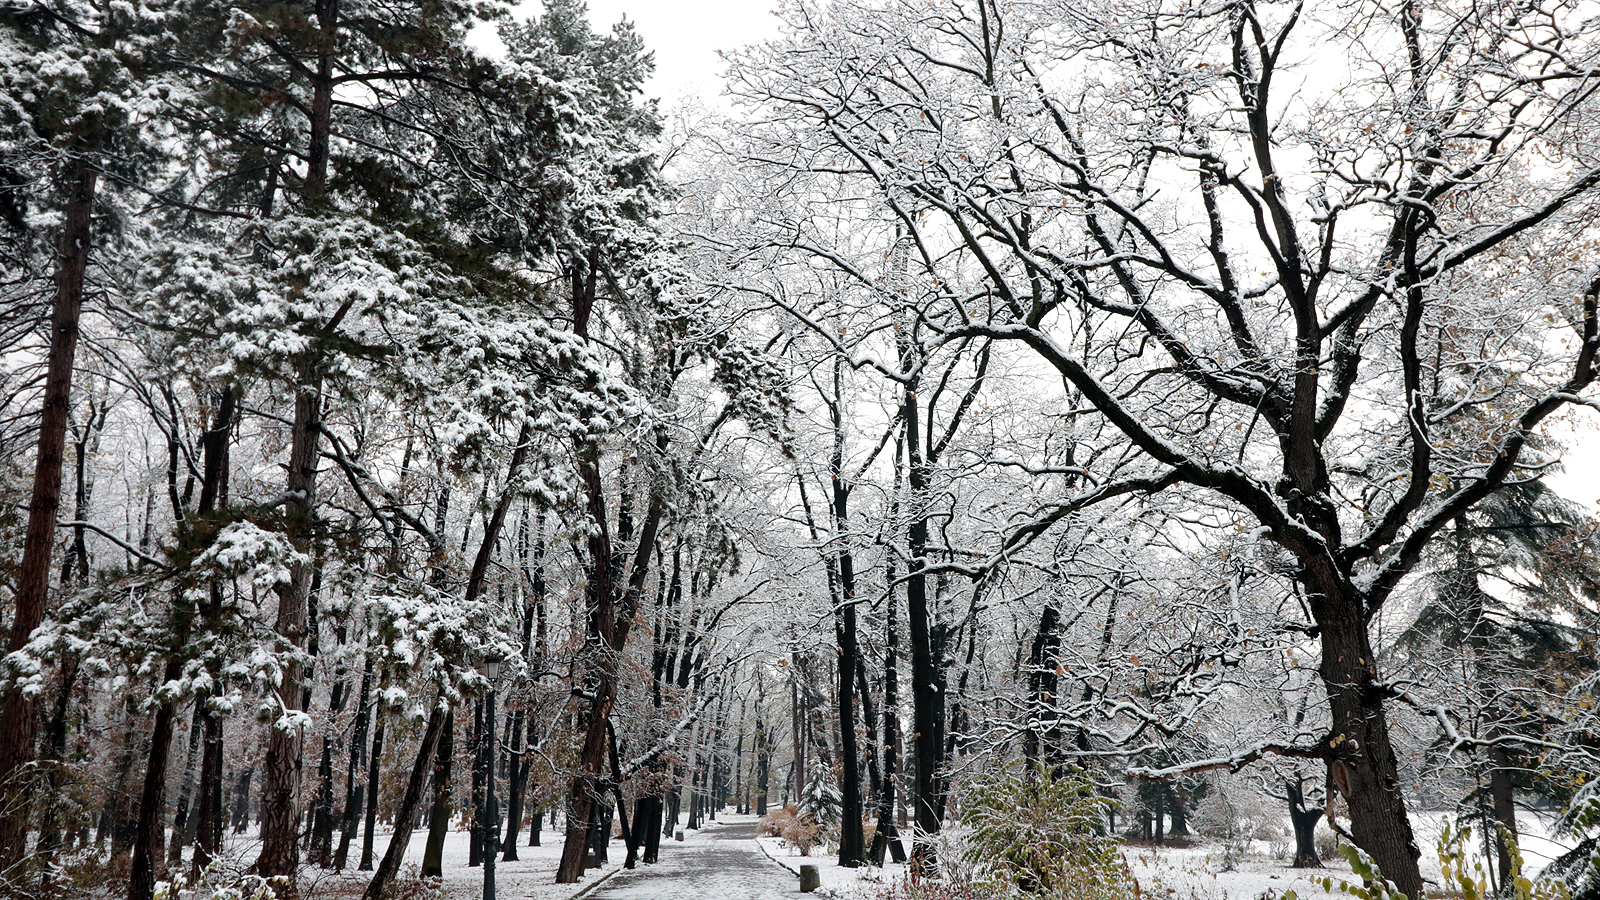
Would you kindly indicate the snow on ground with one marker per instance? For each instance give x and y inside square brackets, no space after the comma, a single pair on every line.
[837,881]
[1203,870]
[531,877]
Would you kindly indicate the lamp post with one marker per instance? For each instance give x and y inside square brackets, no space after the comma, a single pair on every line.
[489,815]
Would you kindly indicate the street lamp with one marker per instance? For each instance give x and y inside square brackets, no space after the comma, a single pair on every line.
[489,815]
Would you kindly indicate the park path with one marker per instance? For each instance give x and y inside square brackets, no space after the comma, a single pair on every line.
[719,862]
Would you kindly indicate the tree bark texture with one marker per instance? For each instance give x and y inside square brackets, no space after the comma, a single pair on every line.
[281,780]
[1362,763]
[17,711]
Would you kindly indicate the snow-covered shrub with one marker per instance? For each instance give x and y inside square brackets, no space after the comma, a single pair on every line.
[1037,831]
[220,882]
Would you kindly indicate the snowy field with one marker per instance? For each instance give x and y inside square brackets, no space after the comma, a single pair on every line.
[1200,869]
[531,877]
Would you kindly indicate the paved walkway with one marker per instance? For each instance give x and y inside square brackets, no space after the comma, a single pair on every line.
[719,862]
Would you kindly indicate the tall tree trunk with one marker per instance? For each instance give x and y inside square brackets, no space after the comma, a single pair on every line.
[610,618]
[148,832]
[374,771]
[322,816]
[601,667]
[51,837]
[350,822]
[1362,763]
[241,801]
[33,578]
[1503,804]
[887,835]
[407,813]
[519,771]
[182,821]
[209,824]
[850,838]
[285,742]
[439,818]
[927,673]
[147,863]
[1040,743]
[284,763]
[213,495]
[120,814]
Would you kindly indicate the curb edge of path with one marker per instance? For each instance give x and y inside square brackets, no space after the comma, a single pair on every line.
[591,888]
[768,854]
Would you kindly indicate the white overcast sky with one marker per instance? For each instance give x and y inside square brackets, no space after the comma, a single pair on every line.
[685,36]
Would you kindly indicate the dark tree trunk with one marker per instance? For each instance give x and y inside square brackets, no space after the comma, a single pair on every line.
[148,833]
[322,818]
[121,814]
[1503,805]
[1305,826]
[147,862]
[519,774]
[1177,809]
[927,674]
[241,801]
[351,820]
[851,851]
[650,824]
[1039,745]
[887,835]
[610,616]
[630,837]
[408,807]
[479,747]
[51,837]
[1363,766]
[439,819]
[763,766]
[374,772]
[283,767]
[33,578]
[210,817]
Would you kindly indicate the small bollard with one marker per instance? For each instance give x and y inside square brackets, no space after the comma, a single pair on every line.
[678,835]
[810,879]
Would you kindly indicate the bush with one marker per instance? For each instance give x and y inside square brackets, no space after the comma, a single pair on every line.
[1040,832]
[219,882]
[1462,875]
[795,828]
[1327,844]
[912,887]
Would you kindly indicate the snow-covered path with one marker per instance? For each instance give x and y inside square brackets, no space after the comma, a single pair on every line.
[719,862]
